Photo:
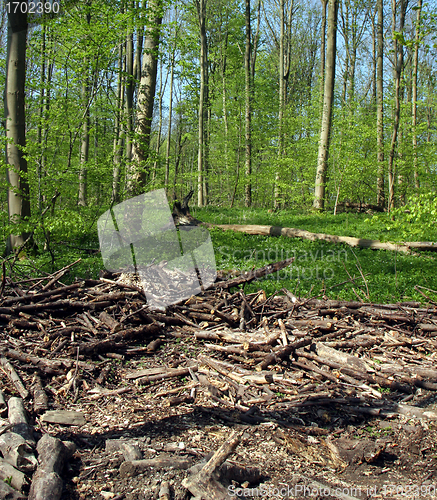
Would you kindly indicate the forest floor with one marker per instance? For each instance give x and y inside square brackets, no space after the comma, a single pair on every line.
[295,397]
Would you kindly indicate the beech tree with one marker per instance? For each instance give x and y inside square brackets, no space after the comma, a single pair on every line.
[328,98]
[15,123]
[138,170]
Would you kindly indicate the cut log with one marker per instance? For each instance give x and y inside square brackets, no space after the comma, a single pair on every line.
[17,452]
[348,240]
[12,476]
[8,493]
[40,400]
[18,418]
[47,483]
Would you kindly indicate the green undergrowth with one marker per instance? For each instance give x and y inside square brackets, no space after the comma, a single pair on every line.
[319,269]
[415,222]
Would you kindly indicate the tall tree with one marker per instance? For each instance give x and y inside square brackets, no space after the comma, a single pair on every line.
[202,154]
[248,105]
[414,92]
[85,138]
[328,99]
[15,123]
[322,54]
[398,65]
[380,105]
[138,170]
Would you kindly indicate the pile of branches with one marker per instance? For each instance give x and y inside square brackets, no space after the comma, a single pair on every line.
[271,354]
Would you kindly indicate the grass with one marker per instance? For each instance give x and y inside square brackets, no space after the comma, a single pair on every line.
[320,268]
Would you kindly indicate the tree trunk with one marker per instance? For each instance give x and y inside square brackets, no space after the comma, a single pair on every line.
[139,169]
[328,98]
[380,106]
[170,109]
[85,139]
[248,106]
[41,127]
[130,88]
[203,105]
[162,87]
[414,96]
[397,73]
[322,54]
[118,136]
[15,124]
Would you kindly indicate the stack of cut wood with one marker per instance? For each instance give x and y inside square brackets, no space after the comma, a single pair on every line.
[260,356]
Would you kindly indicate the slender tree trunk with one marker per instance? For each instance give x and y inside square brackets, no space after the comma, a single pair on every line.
[322,54]
[85,142]
[85,139]
[248,106]
[139,169]
[41,127]
[162,86]
[414,96]
[397,73]
[224,99]
[15,122]
[170,112]
[203,105]
[380,106]
[328,98]
[118,136]
[130,88]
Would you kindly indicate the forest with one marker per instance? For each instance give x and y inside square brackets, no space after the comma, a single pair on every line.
[282,105]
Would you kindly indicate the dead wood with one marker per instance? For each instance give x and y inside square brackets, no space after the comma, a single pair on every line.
[17,416]
[252,359]
[163,461]
[63,417]
[205,484]
[348,240]
[13,377]
[40,399]
[17,452]
[255,274]
[47,483]
[12,476]
[9,493]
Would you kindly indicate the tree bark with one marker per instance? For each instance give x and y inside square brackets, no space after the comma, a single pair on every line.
[15,121]
[328,98]
[138,170]
[397,73]
[414,96]
[118,135]
[85,139]
[380,106]
[322,54]
[170,109]
[248,106]
[203,105]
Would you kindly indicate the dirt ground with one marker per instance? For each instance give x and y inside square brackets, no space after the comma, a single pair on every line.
[394,457]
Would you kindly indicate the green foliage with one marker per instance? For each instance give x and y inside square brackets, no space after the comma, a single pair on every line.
[416,221]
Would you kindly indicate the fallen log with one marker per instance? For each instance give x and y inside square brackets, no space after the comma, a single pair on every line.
[47,483]
[348,240]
